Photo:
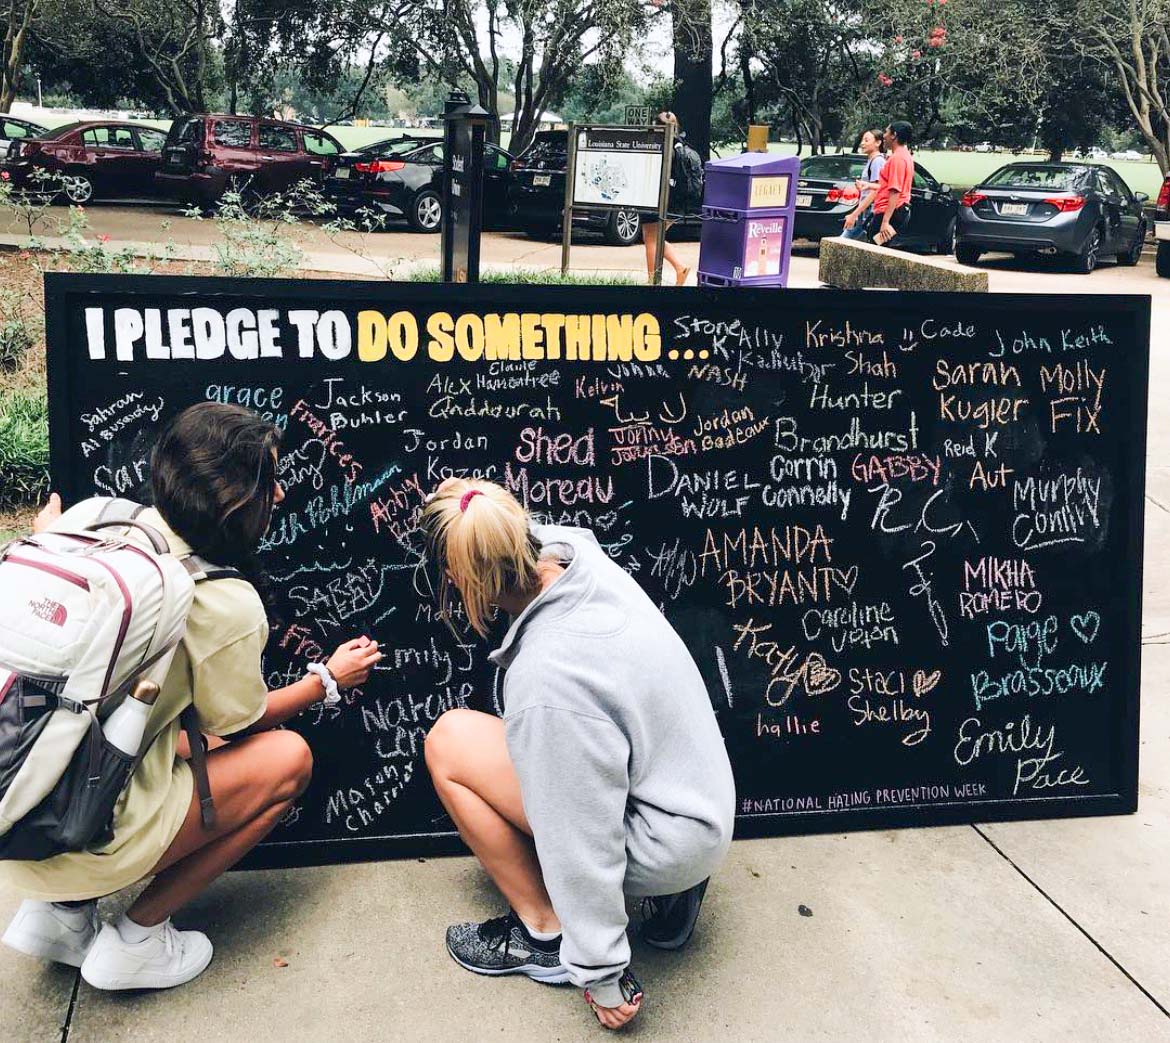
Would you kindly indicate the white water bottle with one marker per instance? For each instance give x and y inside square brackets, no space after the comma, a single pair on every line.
[125,727]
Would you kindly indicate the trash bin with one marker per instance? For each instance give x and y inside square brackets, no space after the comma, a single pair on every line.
[748,208]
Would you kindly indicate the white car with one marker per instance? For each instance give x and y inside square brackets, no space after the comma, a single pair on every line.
[984,146]
[13,129]
[1129,153]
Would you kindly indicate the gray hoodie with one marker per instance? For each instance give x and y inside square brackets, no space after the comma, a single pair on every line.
[623,770]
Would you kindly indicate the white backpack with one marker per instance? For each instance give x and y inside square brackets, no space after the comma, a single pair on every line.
[84,615]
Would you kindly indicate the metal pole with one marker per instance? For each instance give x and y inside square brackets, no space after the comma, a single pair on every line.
[663,199]
[567,215]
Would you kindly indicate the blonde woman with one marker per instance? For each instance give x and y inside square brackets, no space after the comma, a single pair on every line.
[608,775]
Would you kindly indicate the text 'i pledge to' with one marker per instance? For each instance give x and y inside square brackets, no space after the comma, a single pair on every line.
[248,334]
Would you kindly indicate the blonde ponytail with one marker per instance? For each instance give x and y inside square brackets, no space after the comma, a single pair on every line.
[478,537]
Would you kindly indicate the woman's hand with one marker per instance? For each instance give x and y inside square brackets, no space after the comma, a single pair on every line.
[614,1017]
[49,514]
[352,662]
[851,219]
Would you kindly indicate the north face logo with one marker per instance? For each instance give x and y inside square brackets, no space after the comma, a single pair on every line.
[50,611]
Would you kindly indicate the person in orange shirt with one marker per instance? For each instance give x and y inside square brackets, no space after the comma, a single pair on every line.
[891,203]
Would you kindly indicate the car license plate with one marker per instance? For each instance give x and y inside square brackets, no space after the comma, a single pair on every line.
[541,180]
[341,172]
[804,200]
[1013,209]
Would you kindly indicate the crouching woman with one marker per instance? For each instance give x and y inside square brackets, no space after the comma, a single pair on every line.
[607,776]
[213,473]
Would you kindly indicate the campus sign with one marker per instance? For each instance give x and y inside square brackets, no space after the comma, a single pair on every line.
[903,544]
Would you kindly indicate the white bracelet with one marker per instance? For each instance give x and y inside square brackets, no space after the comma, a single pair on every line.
[332,695]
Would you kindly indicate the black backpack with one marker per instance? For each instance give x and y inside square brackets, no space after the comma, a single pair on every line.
[687,177]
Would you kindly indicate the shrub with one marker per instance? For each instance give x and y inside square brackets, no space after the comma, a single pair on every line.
[17,334]
[24,446]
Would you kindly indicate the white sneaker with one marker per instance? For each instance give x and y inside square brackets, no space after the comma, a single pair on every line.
[47,932]
[166,959]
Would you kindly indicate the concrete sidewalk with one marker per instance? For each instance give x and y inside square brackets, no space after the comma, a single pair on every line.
[1023,931]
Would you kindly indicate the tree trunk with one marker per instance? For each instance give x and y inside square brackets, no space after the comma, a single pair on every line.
[693,77]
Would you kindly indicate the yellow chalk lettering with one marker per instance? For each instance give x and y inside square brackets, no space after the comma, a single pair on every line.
[371,336]
[442,345]
[647,338]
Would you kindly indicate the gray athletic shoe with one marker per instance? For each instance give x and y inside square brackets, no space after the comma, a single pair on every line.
[670,919]
[503,946]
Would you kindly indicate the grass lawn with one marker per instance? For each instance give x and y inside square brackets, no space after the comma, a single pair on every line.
[959,169]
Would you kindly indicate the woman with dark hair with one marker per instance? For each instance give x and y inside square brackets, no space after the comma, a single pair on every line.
[213,475]
[872,146]
[675,205]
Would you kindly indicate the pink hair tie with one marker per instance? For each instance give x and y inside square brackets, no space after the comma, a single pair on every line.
[467,498]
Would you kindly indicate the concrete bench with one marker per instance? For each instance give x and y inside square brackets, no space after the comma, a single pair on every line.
[851,265]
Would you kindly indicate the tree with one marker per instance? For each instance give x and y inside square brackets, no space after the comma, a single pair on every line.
[802,62]
[173,40]
[1132,38]
[20,17]
[975,67]
[693,77]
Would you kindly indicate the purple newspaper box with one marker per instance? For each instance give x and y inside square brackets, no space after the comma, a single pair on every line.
[748,204]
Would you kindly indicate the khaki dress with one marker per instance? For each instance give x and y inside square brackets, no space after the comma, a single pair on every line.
[216,667]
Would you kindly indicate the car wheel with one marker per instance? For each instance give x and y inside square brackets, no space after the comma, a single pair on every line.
[426,213]
[1086,261]
[623,228]
[965,253]
[1162,262]
[78,188]
[946,245]
[1134,254]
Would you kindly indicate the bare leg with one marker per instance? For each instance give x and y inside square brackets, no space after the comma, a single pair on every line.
[650,239]
[681,271]
[254,781]
[476,781]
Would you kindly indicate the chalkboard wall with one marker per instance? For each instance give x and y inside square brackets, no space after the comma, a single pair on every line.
[901,533]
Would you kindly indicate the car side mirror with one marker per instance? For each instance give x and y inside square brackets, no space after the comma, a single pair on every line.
[1142,197]
[944,189]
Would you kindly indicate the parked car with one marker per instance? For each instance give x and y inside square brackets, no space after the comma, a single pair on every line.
[88,161]
[1129,153]
[1077,210]
[826,192]
[13,129]
[403,177]
[985,146]
[206,154]
[1162,229]
[536,195]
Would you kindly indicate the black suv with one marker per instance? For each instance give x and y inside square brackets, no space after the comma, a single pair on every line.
[536,195]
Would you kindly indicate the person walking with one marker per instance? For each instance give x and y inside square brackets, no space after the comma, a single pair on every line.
[606,778]
[873,148]
[686,194]
[891,201]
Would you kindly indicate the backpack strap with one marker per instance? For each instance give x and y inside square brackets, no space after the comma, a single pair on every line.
[201,571]
[118,508]
[198,746]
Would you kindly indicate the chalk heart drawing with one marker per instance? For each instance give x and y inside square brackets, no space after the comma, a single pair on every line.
[819,677]
[1085,626]
[922,682]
